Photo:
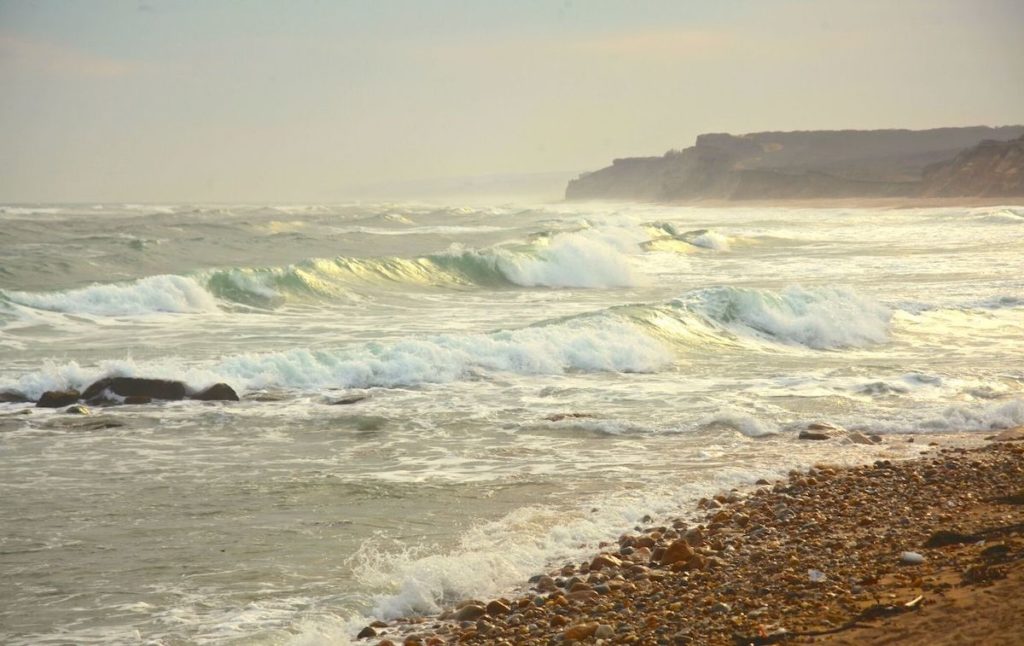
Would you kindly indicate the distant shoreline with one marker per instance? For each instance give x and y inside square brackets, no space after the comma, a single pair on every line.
[833,203]
[863,202]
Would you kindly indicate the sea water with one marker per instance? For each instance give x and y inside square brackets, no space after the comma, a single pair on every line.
[537,378]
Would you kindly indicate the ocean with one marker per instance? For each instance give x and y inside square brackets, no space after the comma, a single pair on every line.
[439,401]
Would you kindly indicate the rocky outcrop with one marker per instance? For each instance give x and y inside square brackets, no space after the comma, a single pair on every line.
[57,398]
[136,387]
[839,164]
[216,392]
[991,169]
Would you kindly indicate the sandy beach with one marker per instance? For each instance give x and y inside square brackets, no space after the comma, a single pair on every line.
[925,550]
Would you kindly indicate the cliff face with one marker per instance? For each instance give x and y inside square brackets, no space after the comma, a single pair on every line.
[840,163]
[991,169]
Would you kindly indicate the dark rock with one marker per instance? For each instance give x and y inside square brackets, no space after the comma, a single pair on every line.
[366,633]
[469,612]
[78,409]
[58,398]
[942,538]
[1012,499]
[217,392]
[136,401]
[348,401]
[13,397]
[136,387]
[814,435]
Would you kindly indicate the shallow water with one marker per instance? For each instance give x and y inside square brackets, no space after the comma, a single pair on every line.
[539,377]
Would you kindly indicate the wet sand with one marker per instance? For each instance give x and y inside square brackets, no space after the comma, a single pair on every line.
[927,550]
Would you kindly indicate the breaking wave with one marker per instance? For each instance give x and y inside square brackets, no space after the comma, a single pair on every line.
[636,338]
[588,344]
[579,259]
[820,318]
[144,296]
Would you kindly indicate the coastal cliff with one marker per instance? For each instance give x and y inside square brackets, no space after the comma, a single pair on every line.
[972,161]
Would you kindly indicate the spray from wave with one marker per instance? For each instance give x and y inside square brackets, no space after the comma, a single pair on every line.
[820,318]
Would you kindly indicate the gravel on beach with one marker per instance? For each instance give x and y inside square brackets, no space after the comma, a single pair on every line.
[927,550]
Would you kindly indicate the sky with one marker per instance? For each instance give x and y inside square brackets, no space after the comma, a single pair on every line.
[300,101]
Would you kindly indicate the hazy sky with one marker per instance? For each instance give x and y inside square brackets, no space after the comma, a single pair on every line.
[305,101]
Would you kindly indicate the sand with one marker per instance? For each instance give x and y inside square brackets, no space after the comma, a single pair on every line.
[926,550]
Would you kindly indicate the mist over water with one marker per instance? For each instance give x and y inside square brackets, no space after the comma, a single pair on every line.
[537,379]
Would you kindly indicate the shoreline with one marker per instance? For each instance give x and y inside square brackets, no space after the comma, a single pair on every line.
[863,202]
[926,550]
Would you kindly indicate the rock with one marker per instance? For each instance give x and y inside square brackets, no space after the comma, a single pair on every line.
[348,401]
[78,409]
[604,561]
[558,417]
[827,427]
[136,387]
[604,631]
[498,607]
[942,538]
[720,608]
[678,551]
[469,612]
[217,392]
[581,631]
[137,401]
[13,397]
[366,633]
[814,435]
[582,595]
[859,438]
[911,558]
[58,398]
[1010,435]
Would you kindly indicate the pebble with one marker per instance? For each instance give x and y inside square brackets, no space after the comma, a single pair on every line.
[911,558]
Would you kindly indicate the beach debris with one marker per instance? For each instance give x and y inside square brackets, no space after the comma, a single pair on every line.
[911,558]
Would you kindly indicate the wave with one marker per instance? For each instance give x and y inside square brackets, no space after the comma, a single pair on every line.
[164,293]
[588,259]
[635,338]
[663,232]
[820,318]
[587,344]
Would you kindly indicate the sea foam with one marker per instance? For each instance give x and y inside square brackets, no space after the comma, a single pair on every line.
[819,318]
[586,344]
[154,294]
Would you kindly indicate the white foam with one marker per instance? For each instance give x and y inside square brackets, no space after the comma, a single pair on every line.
[744,423]
[595,344]
[154,294]
[711,240]
[820,317]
